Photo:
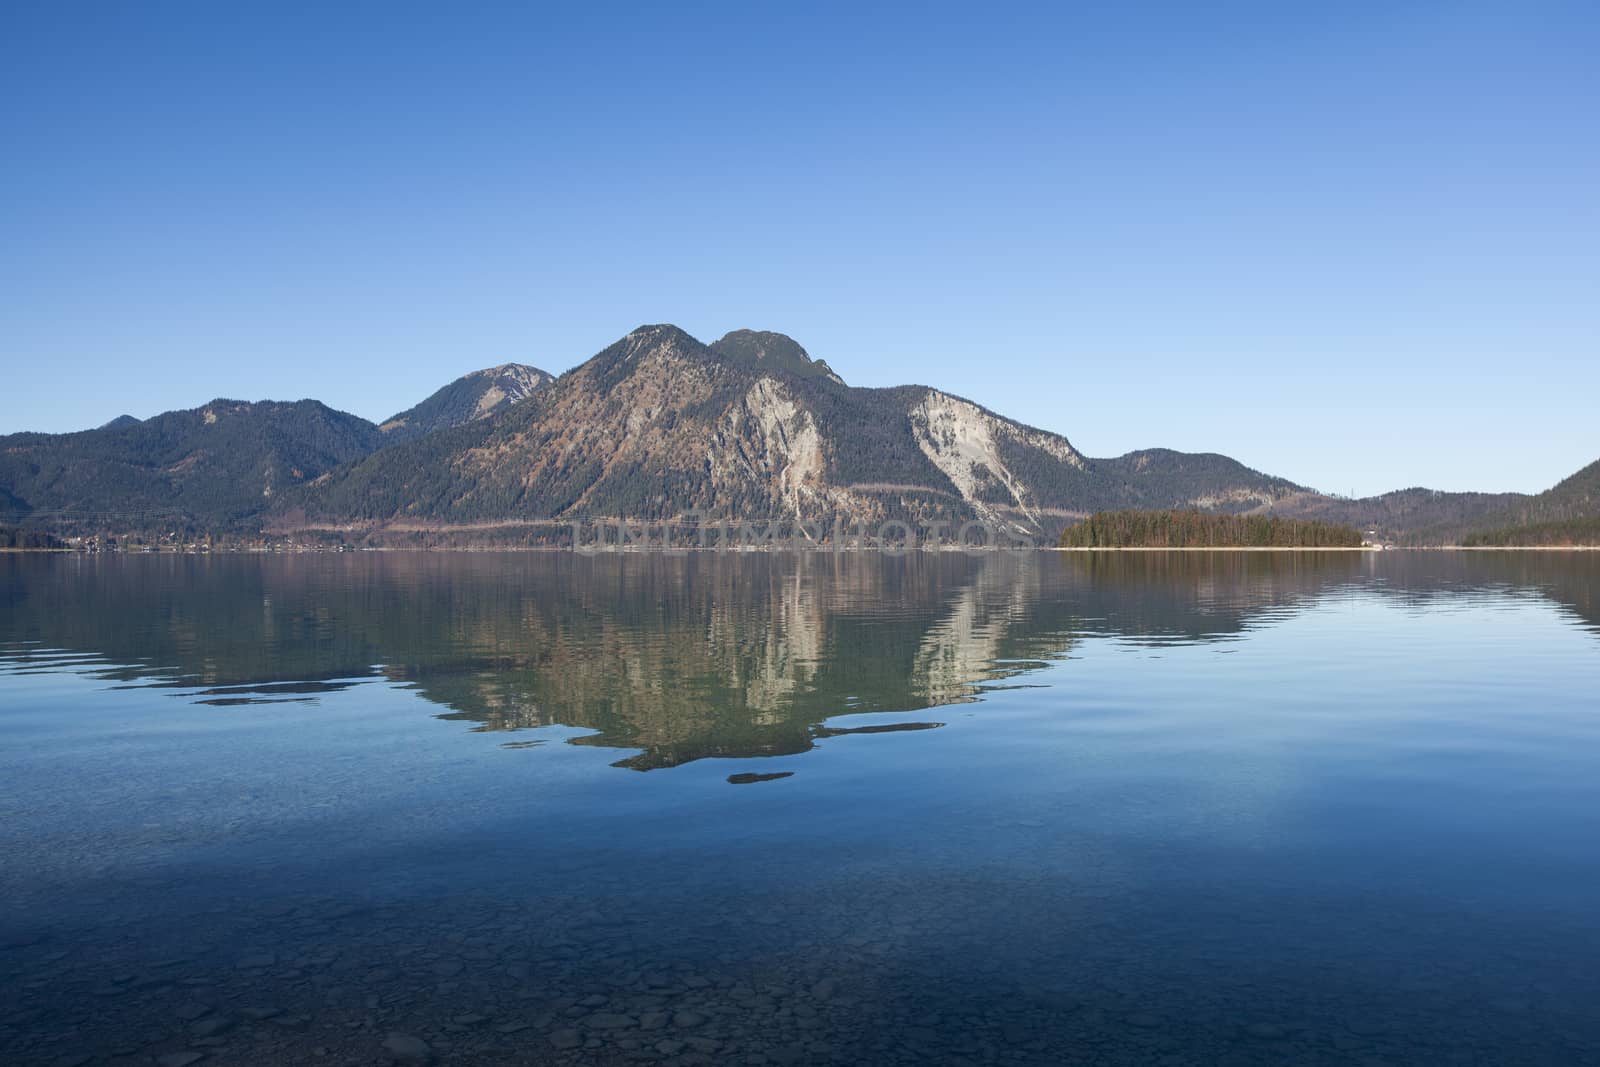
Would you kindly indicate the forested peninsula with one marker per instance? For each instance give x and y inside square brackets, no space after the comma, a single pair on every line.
[1134,528]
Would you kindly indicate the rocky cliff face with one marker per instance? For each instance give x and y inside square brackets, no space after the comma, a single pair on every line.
[967,444]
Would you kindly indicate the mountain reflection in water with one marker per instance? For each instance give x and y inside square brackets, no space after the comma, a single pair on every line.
[687,657]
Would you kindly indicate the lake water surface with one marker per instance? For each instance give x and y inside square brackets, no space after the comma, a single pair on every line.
[1186,808]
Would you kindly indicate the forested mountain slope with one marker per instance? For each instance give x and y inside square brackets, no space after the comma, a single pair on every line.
[214,467]
[1568,513]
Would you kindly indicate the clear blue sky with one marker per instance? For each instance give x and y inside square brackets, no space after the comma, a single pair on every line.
[1354,244]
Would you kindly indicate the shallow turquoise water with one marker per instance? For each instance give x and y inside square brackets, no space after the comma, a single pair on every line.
[1136,808]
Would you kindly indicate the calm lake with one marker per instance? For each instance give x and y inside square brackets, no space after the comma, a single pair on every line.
[1186,808]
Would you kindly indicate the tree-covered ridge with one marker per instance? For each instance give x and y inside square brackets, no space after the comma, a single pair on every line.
[1199,529]
[1206,479]
[1414,516]
[211,468]
[1561,533]
[1430,517]
[1566,513]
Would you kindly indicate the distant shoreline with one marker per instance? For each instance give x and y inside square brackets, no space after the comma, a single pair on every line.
[1340,548]
[1504,548]
[1218,548]
[1343,548]
[820,549]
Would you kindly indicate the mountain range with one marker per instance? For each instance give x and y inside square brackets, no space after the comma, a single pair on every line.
[655,427]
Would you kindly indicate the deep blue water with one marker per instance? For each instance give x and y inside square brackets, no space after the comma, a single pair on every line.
[1182,808]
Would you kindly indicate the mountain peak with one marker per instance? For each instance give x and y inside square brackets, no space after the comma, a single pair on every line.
[766,349]
[472,396]
[651,338]
[659,333]
[512,369]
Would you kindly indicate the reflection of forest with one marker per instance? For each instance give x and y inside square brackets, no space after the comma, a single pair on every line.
[686,657]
